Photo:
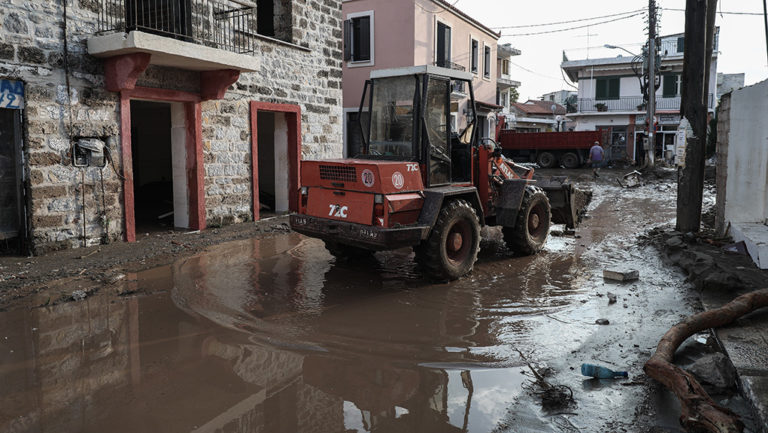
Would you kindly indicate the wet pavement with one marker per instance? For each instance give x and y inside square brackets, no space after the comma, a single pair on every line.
[275,335]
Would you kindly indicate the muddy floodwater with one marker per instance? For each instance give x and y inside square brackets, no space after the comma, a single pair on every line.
[275,335]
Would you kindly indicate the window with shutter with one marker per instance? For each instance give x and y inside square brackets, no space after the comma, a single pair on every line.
[475,56]
[680,44]
[358,38]
[670,87]
[487,63]
[607,88]
[443,54]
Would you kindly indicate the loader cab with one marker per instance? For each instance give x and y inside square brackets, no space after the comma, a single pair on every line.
[410,120]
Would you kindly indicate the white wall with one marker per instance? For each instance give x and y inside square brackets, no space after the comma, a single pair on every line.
[747,184]
[179,166]
[281,163]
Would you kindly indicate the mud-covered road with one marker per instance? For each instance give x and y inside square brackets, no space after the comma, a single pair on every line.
[275,335]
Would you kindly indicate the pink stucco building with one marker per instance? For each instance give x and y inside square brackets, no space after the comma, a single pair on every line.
[382,34]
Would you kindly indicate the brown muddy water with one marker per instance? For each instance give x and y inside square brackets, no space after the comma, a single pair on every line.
[275,335]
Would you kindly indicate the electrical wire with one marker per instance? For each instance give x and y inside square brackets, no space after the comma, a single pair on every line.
[533,72]
[721,12]
[567,21]
[574,28]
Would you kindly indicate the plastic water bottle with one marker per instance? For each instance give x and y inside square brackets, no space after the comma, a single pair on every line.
[599,372]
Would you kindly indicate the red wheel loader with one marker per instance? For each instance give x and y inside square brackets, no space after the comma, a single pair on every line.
[418,184]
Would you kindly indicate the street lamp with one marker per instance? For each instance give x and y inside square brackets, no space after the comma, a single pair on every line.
[616,47]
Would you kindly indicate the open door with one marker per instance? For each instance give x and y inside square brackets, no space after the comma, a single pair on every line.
[12,216]
[437,121]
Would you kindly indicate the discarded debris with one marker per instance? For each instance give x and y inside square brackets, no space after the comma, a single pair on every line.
[115,278]
[698,411]
[91,253]
[79,295]
[619,275]
[602,322]
[600,372]
[737,248]
[611,298]
[553,397]
[631,179]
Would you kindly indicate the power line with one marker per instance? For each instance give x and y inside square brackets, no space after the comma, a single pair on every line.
[566,22]
[720,12]
[576,27]
[534,72]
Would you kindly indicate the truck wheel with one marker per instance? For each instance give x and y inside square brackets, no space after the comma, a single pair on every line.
[451,249]
[570,160]
[530,232]
[546,160]
[342,251]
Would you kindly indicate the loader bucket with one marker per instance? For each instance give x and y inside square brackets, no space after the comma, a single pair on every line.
[567,202]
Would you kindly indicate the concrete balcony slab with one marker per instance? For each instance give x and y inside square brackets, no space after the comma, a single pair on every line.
[171,52]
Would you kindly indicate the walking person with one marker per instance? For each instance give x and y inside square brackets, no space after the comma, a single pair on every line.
[596,158]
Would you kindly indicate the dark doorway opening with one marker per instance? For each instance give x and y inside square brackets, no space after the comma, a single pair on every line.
[152,165]
[273,163]
[12,218]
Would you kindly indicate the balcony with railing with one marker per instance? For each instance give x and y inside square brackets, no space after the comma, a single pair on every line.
[450,65]
[202,35]
[631,103]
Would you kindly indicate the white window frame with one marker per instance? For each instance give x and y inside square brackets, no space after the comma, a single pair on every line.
[487,74]
[434,44]
[372,61]
[477,71]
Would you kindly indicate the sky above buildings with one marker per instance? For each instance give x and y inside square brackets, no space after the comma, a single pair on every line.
[742,37]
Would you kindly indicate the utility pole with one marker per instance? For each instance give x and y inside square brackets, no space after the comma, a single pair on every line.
[651,148]
[699,44]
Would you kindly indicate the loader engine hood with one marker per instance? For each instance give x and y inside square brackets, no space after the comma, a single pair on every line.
[363,175]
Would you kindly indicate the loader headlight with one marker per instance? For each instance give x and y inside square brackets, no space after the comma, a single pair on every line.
[304,190]
[378,198]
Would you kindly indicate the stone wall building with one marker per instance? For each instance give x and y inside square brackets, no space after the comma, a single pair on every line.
[120,117]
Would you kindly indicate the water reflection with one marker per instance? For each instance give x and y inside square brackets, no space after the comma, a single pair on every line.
[255,336]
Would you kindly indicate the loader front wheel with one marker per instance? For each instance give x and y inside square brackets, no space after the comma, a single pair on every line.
[451,249]
[530,232]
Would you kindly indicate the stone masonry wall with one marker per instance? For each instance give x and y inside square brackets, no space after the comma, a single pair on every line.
[32,50]
[306,73]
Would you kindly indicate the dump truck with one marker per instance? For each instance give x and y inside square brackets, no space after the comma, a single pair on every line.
[418,184]
[569,149]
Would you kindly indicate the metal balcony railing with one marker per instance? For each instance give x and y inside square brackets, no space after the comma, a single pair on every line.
[450,65]
[631,103]
[225,24]
[457,87]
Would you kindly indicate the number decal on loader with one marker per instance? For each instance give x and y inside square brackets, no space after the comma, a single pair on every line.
[338,211]
[368,179]
[398,180]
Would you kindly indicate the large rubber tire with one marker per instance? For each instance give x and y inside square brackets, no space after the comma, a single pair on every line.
[451,249]
[343,251]
[546,160]
[531,229]
[570,160]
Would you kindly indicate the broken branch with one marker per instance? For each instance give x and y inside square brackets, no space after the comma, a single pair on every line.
[699,413]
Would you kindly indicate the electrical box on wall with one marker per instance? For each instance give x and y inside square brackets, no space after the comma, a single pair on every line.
[88,152]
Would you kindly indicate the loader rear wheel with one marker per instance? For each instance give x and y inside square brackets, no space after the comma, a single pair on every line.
[530,232]
[546,160]
[342,251]
[570,160]
[451,249]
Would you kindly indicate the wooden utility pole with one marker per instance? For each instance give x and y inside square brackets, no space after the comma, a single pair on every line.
[651,113]
[699,43]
